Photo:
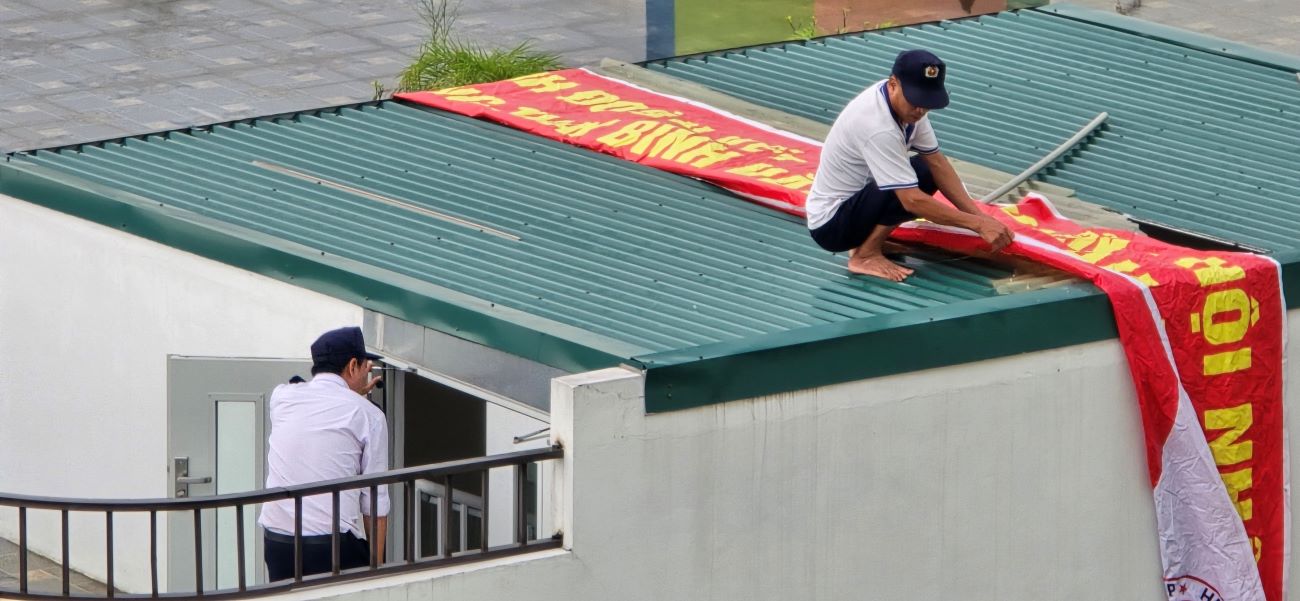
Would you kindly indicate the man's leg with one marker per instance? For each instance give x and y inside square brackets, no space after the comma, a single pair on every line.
[354,552]
[279,560]
[869,258]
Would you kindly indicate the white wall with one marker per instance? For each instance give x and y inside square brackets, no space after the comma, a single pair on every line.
[88,316]
[1016,479]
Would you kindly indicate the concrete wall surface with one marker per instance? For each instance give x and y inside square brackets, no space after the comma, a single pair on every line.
[1020,478]
[88,316]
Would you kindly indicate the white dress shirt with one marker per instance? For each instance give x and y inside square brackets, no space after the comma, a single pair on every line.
[322,430]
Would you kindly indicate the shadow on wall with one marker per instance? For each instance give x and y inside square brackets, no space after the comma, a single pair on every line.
[677,27]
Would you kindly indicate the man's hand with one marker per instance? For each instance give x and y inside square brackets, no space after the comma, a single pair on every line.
[994,232]
[371,382]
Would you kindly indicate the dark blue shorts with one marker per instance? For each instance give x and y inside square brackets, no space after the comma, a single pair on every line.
[853,221]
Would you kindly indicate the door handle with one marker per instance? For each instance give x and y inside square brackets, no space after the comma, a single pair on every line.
[183,479]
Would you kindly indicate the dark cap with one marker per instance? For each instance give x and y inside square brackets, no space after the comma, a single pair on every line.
[921,74]
[337,347]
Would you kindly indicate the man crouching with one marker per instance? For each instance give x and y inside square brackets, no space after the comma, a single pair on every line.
[866,184]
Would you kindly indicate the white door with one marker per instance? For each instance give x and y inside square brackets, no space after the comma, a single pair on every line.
[216,444]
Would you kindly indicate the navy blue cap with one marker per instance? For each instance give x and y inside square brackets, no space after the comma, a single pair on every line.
[921,74]
[337,347]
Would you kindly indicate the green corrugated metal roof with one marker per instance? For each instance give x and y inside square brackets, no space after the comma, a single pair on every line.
[1201,138]
[610,256]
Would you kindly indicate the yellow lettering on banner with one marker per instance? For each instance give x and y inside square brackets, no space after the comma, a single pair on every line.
[733,140]
[644,143]
[657,113]
[758,170]
[589,98]
[564,127]
[1215,270]
[1093,247]
[472,95]
[1238,482]
[1226,363]
[544,82]
[766,173]
[793,182]
[1227,302]
[581,129]
[1128,267]
[1259,547]
[628,134]
[1014,212]
[789,158]
[1226,448]
[706,155]
[667,147]
[599,101]
[532,114]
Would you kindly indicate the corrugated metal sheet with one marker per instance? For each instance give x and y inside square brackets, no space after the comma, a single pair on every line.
[650,259]
[1196,140]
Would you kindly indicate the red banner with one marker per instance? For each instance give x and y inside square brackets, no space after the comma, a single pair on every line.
[577,106]
[1205,336]
[1203,331]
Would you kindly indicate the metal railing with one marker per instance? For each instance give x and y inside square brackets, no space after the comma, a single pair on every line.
[443,473]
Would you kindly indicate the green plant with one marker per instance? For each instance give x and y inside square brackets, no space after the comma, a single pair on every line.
[445,61]
[802,30]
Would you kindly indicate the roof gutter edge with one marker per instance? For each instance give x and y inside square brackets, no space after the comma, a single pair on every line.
[885,345]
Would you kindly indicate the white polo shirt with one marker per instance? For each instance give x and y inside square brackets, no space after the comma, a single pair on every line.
[322,430]
[866,143]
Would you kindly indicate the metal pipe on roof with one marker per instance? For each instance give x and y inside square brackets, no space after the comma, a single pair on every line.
[1049,159]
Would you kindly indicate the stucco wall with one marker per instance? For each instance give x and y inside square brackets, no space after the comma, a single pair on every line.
[88,316]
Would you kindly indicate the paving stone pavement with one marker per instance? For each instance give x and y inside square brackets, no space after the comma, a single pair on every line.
[43,575]
[82,70]
[1268,24]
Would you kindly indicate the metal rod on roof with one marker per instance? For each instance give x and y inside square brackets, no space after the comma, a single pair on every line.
[1047,160]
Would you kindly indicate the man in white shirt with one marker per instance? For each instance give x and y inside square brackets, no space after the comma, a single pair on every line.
[322,430]
[866,184]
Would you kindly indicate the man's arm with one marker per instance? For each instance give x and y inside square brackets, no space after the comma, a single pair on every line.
[967,215]
[382,526]
[950,183]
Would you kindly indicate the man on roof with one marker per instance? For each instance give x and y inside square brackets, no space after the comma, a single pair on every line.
[866,184]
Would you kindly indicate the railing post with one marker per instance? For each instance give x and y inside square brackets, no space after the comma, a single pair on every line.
[408,523]
[198,551]
[445,533]
[153,552]
[521,524]
[67,580]
[483,532]
[239,547]
[108,531]
[374,526]
[334,532]
[22,549]
[297,538]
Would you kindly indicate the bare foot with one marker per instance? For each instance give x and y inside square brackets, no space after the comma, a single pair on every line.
[876,265]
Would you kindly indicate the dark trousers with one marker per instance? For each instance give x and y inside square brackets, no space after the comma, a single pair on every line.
[853,221]
[316,554]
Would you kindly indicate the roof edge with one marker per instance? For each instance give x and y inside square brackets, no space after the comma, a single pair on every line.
[819,355]
[833,353]
[1175,35]
[416,301]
